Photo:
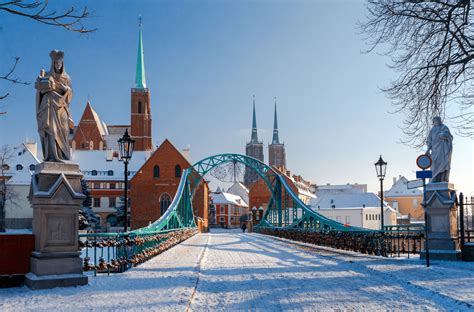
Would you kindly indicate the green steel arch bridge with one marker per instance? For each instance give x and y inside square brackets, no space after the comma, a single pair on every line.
[285,208]
[286,216]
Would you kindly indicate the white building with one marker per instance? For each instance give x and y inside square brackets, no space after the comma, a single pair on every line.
[18,171]
[240,190]
[352,205]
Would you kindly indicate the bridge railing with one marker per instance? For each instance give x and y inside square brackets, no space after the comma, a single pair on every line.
[117,252]
[396,242]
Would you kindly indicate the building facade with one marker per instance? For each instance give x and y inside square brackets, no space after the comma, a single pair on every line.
[154,186]
[229,209]
[406,201]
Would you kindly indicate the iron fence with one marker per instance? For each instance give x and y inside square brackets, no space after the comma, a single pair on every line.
[466,226]
[395,241]
[117,252]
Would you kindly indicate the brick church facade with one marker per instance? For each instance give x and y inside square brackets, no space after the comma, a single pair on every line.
[154,186]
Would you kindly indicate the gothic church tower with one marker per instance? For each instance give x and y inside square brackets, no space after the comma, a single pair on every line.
[276,150]
[140,104]
[253,149]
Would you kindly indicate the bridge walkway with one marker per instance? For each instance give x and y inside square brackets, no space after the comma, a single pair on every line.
[228,270]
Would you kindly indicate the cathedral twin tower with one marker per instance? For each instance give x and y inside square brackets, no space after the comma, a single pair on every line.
[254,148]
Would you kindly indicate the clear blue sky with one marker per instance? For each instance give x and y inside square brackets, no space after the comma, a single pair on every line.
[204,61]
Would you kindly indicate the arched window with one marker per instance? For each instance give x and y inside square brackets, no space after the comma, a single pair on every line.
[156,171]
[32,167]
[165,202]
[139,107]
[177,171]
[19,167]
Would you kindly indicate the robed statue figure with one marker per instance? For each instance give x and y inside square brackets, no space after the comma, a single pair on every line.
[54,93]
[440,148]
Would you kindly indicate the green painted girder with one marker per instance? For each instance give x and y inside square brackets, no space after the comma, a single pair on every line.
[180,213]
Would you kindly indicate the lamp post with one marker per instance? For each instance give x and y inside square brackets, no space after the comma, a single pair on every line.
[381,169]
[126,150]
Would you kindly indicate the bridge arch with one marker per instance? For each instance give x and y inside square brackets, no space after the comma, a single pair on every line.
[285,208]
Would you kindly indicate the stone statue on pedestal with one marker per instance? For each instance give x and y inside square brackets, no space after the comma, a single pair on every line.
[53,96]
[440,148]
[56,192]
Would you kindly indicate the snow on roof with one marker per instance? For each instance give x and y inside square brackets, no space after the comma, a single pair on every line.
[240,190]
[400,189]
[346,200]
[20,171]
[95,166]
[100,123]
[228,199]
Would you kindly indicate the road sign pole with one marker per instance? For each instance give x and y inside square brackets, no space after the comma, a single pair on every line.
[427,251]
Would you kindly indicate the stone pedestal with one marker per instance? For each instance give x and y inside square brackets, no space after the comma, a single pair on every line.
[441,209]
[56,197]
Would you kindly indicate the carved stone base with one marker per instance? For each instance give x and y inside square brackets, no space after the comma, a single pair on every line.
[56,198]
[441,209]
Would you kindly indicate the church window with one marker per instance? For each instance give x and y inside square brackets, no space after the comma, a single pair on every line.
[165,202]
[156,171]
[91,145]
[32,167]
[139,107]
[19,167]
[73,145]
[177,171]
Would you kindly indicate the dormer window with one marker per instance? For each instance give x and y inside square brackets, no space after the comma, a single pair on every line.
[94,172]
[6,167]
[110,173]
[19,167]
[32,167]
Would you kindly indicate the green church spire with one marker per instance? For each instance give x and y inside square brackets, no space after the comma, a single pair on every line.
[140,80]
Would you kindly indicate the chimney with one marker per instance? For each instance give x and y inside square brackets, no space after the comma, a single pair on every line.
[187,153]
[109,155]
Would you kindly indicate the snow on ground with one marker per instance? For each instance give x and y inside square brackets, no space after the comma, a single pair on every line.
[228,270]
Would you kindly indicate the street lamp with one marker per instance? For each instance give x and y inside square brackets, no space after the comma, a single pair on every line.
[381,168]
[126,150]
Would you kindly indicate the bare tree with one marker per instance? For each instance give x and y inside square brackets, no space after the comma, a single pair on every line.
[7,193]
[431,45]
[39,11]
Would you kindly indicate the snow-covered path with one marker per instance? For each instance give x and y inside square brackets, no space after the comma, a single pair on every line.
[227,270]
